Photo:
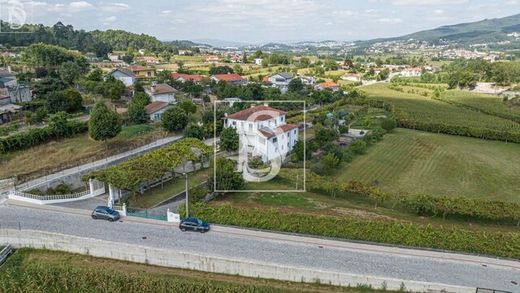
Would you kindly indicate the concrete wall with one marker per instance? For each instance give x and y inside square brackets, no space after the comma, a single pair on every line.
[193,261]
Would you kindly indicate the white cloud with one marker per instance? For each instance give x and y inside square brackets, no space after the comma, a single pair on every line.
[80,5]
[166,12]
[112,18]
[114,7]
[427,2]
[390,20]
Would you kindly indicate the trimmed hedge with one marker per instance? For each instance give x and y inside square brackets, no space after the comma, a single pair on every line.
[504,244]
[37,136]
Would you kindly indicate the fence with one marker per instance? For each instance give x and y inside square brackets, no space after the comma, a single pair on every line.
[147,214]
[96,188]
[484,290]
[5,253]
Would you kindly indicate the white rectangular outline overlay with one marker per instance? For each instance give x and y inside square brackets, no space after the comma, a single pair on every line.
[304,147]
[29,20]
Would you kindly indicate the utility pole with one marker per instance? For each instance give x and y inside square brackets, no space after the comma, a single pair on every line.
[186,176]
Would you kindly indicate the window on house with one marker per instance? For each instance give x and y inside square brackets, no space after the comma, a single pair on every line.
[275,140]
[234,123]
[250,126]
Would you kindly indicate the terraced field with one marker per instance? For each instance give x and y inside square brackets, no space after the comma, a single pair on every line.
[416,107]
[409,161]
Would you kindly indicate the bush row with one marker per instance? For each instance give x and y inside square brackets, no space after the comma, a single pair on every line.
[37,136]
[21,275]
[424,204]
[504,244]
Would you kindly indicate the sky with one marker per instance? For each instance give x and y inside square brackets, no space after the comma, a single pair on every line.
[260,21]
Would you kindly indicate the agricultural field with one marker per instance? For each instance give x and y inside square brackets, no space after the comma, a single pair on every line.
[29,270]
[69,152]
[489,104]
[409,161]
[418,108]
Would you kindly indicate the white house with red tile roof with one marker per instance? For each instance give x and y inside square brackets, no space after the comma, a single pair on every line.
[412,72]
[264,132]
[156,109]
[161,92]
[327,85]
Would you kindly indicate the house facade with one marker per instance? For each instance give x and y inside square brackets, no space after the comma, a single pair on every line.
[280,80]
[328,85]
[161,93]
[183,77]
[412,72]
[155,110]
[263,131]
[142,71]
[125,75]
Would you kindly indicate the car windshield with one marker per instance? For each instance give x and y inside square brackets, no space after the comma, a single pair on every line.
[199,221]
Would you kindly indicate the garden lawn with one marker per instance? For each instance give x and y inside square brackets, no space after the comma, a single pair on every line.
[65,153]
[409,161]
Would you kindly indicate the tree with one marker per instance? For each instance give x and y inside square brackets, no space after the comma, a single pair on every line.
[295,85]
[388,124]
[226,176]
[95,75]
[325,135]
[299,150]
[69,100]
[330,162]
[229,139]
[69,72]
[142,98]
[137,113]
[58,124]
[220,70]
[188,106]
[174,119]
[194,130]
[103,124]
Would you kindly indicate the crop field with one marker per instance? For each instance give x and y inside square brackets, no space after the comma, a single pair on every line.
[416,162]
[489,104]
[29,270]
[416,107]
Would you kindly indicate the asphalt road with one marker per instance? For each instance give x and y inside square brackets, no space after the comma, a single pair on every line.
[342,256]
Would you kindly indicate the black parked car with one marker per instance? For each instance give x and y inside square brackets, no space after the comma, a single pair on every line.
[194,224]
[105,213]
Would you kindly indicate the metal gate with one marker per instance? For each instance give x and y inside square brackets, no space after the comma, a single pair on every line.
[147,214]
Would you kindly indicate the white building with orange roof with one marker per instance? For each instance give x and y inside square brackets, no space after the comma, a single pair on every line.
[263,131]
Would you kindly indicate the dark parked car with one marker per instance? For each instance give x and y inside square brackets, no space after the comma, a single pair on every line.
[194,224]
[105,213]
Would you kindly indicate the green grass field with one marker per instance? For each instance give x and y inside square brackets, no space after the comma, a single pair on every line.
[408,161]
[419,108]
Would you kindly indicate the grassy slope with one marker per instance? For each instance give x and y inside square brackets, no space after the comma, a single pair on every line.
[419,162]
[58,155]
[27,271]
[425,109]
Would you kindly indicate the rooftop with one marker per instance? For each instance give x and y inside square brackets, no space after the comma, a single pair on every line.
[257,113]
[228,77]
[161,88]
[155,106]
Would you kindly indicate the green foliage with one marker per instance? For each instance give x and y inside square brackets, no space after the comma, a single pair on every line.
[229,139]
[194,130]
[388,124]
[103,124]
[505,244]
[137,112]
[325,134]
[48,84]
[50,56]
[174,119]
[95,74]
[220,70]
[226,176]
[188,106]
[131,174]
[36,136]
[69,72]
[141,97]
[296,85]
[27,271]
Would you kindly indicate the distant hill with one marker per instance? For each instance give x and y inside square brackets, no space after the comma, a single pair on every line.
[488,30]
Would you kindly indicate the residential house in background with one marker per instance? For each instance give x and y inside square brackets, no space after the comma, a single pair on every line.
[328,85]
[280,80]
[113,57]
[8,110]
[125,75]
[412,72]
[142,71]
[263,131]
[18,94]
[308,80]
[156,109]
[182,77]
[161,93]
[353,77]
[7,78]
[212,59]
[258,61]
[230,78]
